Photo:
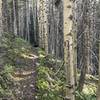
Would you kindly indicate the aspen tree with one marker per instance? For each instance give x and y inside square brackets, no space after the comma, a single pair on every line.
[68,49]
[40,18]
[43,24]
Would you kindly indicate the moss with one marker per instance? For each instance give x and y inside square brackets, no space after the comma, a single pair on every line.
[11,49]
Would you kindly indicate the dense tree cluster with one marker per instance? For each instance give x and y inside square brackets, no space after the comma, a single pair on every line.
[66,29]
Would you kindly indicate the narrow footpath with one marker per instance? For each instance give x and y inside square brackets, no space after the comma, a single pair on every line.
[24,78]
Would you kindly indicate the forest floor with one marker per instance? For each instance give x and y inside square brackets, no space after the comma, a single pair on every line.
[29,74]
[25,77]
[18,76]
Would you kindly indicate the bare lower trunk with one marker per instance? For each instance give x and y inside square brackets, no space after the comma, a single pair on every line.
[68,50]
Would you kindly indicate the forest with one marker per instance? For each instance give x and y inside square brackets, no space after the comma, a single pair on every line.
[49,50]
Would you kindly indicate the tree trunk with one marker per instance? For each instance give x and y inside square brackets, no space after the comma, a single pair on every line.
[0,18]
[98,90]
[75,41]
[98,30]
[45,25]
[14,18]
[85,44]
[68,49]
[5,16]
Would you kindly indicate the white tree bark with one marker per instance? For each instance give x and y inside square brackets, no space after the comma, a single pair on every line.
[68,49]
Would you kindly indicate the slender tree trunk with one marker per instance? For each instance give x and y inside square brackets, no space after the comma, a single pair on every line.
[75,42]
[14,18]
[0,18]
[5,16]
[98,30]
[98,90]
[17,15]
[85,44]
[40,21]
[35,23]
[68,50]
[45,26]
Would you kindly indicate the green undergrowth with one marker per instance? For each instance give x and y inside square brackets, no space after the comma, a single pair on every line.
[51,80]
[5,81]
[11,49]
[88,93]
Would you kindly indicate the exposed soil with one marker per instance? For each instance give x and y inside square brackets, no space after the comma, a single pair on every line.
[24,78]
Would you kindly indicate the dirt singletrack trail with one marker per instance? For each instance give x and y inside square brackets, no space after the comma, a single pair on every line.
[24,78]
